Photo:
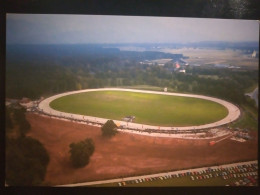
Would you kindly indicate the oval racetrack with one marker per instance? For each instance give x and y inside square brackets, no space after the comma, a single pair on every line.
[233,111]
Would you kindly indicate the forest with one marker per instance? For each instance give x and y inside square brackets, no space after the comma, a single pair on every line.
[42,70]
[26,158]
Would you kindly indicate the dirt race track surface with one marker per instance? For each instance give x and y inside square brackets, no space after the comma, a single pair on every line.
[128,154]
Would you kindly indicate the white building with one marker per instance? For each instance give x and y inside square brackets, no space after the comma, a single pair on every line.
[254,54]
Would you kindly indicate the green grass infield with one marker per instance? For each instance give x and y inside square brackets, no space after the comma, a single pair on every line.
[150,109]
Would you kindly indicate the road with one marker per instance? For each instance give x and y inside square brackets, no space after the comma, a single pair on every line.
[254,95]
[233,111]
[155,175]
[224,138]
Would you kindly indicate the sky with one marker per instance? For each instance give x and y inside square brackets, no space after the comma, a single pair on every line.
[75,29]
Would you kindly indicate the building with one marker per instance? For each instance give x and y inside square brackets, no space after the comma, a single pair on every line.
[254,54]
[12,102]
[7,103]
[25,100]
[129,118]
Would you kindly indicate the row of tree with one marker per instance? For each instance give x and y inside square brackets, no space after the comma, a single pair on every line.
[26,158]
[81,152]
[35,71]
[35,81]
[26,162]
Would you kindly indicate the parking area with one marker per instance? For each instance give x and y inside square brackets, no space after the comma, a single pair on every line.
[130,155]
[231,175]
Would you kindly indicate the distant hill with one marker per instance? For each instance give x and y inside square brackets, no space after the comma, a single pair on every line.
[85,52]
[253,45]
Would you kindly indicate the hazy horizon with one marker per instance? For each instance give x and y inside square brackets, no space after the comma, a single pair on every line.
[126,43]
[101,29]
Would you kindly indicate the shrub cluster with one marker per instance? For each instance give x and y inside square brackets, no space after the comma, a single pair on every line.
[81,152]
[109,129]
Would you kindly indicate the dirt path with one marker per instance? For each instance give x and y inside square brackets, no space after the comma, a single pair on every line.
[128,154]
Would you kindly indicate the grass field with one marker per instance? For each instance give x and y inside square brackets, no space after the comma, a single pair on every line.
[145,87]
[214,77]
[252,88]
[215,56]
[150,109]
[248,119]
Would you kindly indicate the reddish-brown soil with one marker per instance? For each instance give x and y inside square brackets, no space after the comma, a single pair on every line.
[128,154]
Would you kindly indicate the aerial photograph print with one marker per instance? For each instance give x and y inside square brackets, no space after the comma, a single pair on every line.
[130,101]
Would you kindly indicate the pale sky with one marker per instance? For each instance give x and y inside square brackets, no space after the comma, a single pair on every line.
[70,29]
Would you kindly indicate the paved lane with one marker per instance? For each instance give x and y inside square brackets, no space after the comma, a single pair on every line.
[254,95]
[233,111]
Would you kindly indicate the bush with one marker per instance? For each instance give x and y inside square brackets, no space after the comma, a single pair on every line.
[81,152]
[8,121]
[24,127]
[26,162]
[109,129]
[20,120]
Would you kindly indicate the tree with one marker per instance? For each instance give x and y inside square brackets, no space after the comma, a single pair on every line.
[26,162]
[109,129]
[24,127]
[8,121]
[78,86]
[19,114]
[20,119]
[81,152]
